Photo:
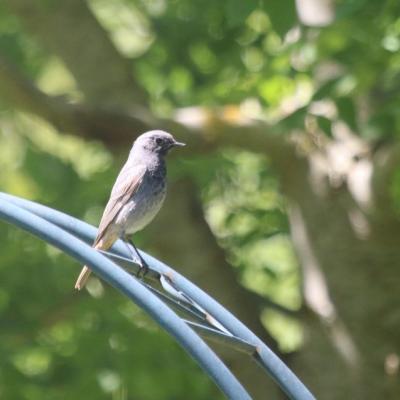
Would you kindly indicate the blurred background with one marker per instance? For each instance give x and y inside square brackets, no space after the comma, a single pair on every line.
[284,206]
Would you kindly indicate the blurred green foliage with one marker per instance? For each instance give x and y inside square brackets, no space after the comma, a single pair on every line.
[56,345]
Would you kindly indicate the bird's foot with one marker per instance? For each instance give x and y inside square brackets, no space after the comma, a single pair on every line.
[143,270]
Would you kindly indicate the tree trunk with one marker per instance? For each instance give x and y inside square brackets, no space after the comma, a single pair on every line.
[350,258]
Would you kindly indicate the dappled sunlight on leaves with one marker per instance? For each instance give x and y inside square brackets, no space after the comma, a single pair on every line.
[32,362]
[86,159]
[247,214]
[55,79]
[292,339]
[128,27]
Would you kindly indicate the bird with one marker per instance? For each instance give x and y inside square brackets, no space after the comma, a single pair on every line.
[137,195]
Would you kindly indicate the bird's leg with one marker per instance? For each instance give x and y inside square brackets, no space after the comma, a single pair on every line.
[144,268]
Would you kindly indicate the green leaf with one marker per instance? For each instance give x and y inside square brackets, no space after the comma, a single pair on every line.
[238,10]
[325,125]
[347,111]
[282,14]
[325,90]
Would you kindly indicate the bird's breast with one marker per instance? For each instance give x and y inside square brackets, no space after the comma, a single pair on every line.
[144,205]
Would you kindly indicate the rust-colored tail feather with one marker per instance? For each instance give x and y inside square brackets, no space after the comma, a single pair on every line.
[101,243]
[82,278]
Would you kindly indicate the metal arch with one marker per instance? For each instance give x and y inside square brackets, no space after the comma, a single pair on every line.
[209,318]
[128,285]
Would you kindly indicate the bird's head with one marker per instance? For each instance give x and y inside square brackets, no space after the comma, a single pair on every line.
[156,142]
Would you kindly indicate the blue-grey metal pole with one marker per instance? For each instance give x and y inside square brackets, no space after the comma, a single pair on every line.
[285,378]
[128,285]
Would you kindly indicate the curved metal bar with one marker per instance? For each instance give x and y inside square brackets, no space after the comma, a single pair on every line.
[275,367]
[132,288]
[222,338]
[264,356]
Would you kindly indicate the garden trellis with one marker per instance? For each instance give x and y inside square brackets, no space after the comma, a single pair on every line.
[175,303]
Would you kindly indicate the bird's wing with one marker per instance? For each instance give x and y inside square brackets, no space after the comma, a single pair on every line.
[125,186]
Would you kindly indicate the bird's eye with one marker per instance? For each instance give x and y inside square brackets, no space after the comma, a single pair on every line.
[158,141]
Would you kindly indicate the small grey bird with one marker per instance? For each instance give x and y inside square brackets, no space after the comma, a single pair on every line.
[137,194]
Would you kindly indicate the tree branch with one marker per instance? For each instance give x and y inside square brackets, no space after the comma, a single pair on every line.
[87,121]
[116,109]
[212,128]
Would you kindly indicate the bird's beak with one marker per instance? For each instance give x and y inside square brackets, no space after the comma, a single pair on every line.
[178,144]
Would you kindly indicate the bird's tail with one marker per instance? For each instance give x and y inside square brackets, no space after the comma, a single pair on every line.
[100,244]
[83,278]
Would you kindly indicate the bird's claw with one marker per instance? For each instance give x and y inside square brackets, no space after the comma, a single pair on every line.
[143,270]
